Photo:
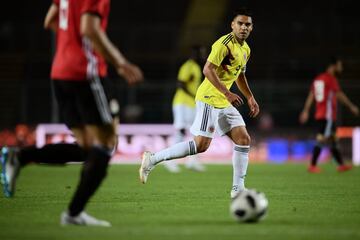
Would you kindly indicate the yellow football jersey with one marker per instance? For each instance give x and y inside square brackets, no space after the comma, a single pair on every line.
[190,73]
[230,58]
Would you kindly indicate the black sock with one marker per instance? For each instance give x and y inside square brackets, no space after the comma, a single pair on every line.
[337,156]
[93,172]
[52,154]
[315,155]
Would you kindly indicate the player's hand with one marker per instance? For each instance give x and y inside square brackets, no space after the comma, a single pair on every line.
[131,73]
[304,116]
[254,107]
[355,110]
[234,99]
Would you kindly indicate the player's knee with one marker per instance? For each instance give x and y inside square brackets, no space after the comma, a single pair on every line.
[106,136]
[244,139]
[97,162]
[202,146]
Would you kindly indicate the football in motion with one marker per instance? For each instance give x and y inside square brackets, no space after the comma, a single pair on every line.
[249,206]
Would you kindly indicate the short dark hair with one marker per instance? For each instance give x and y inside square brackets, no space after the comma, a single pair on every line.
[333,59]
[328,60]
[242,11]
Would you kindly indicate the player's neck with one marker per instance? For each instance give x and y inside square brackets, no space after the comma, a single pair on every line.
[240,41]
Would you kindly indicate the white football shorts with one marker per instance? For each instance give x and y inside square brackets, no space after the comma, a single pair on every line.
[209,119]
[183,116]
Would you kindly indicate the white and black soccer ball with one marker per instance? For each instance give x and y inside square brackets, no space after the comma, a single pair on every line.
[249,206]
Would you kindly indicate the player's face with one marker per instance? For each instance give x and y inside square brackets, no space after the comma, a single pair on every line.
[242,27]
[339,67]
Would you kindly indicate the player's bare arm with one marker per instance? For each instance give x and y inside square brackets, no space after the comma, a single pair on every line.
[51,19]
[210,73]
[304,115]
[244,88]
[90,26]
[346,101]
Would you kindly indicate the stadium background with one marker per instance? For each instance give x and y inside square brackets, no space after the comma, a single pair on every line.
[288,43]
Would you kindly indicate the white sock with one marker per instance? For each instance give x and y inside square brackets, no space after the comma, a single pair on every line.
[240,161]
[178,150]
[178,136]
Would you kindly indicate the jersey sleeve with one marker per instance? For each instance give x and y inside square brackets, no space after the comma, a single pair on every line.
[56,2]
[97,7]
[184,73]
[218,52]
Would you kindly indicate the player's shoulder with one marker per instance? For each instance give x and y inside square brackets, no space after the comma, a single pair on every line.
[188,63]
[225,39]
[323,76]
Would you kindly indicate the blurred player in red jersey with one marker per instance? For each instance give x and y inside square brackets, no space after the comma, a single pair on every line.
[326,91]
[79,67]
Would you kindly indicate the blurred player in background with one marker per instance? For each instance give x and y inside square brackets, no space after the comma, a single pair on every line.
[189,79]
[216,104]
[325,90]
[79,66]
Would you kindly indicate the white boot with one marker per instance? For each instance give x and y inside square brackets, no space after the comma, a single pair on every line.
[82,219]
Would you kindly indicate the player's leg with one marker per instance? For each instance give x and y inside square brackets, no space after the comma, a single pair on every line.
[320,142]
[240,158]
[203,128]
[55,154]
[334,148]
[10,169]
[51,154]
[95,133]
[94,170]
[179,115]
[60,153]
[232,124]
[323,131]
[187,148]
[192,162]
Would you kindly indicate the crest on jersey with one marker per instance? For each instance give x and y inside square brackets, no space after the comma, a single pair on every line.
[211,129]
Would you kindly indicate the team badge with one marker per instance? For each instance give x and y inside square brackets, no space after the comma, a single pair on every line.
[211,129]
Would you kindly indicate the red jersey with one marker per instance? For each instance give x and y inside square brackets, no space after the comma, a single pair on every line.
[324,88]
[75,59]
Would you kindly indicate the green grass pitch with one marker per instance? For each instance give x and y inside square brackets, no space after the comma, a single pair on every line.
[187,205]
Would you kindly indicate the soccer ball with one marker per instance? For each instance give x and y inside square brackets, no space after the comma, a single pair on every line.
[249,206]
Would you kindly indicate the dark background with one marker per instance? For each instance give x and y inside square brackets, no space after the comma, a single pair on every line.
[288,43]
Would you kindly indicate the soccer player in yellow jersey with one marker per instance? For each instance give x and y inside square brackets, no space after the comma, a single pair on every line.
[216,104]
[189,78]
